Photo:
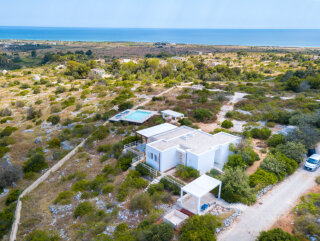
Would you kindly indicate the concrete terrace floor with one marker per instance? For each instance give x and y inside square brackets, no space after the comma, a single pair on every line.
[270,207]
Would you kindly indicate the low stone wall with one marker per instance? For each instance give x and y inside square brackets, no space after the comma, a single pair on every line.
[34,185]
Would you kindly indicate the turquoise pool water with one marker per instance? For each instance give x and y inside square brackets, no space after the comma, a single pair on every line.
[138,115]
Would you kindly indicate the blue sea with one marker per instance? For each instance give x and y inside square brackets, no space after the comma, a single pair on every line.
[245,37]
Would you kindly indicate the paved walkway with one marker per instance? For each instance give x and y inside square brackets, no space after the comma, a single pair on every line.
[270,207]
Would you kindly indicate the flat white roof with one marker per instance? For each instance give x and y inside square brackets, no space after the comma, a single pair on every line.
[201,186]
[156,130]
[172,113]
[193,140]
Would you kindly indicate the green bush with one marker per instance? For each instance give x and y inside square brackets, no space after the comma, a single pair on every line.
[200,228]
[293,150]
[13,196]
[202,114]
[54,119]
[6,219]
[235,160]
[158,232]
[235,186]
[186,173]
[276,140]
[276,234]
[125,105]
[64,198]
[185,122]
[125,161]
[227,124]
[54,143]
[153,188]
[132,181]
[142,170]
[169,186]
[42,235]
[83,209]
[141,202]
[105,148]
[81,185]
[263,133]
[36,163]
[262,178]
[272,164]
[108,189]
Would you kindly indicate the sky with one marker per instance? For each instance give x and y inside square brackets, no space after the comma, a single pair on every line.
[234,14]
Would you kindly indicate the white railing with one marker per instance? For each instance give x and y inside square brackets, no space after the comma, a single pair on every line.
[152,171]
[169,179]
[132,144]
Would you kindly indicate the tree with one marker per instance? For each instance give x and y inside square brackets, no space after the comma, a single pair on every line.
[272,164]
[89,53]
[160,232]
[54,119]
[33,53]
[200,228]
[276,234]
[35,163]
[235,186]
[9,174]
[276,140]
[293,150]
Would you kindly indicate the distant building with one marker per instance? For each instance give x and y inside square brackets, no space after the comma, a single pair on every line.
[97,72]
[213,64]
[315,57]
[197,87]
[179,58]
[61,66]
[4,72]
[169,146]
[123,61]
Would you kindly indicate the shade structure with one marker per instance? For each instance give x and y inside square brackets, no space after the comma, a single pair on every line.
[155,130]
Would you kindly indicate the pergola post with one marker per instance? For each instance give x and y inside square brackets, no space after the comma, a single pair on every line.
[181,196]
[198,206]
[219,191]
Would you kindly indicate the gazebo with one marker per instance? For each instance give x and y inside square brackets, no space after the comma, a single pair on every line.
[198,189]
[171,114]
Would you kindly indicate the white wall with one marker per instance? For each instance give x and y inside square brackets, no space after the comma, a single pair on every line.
[169,159]
[206,161]
[192,160]
[152,162]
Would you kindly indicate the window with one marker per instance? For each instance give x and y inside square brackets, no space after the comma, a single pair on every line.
[150,155]
[155,158]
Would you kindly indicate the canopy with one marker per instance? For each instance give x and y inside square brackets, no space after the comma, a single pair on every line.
[201,186]
[172,113]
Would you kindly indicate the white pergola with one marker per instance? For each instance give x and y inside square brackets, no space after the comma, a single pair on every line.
[200,187]
[172,114]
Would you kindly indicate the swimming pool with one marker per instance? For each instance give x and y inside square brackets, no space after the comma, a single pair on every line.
[138,115]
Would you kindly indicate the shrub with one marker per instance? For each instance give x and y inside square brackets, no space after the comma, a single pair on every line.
[200,228]
[276,234]
[293,150]
[6,219]
[54,119]
[235,186]
[276,140]
[141,202]
[105,148]
[83,209]
[202,114]
[153,188]
[262,178]
[124,162]
[125,105]
[54,143]
[185,122]
[36,163]
[108,189]
[132,181]
[142,170]
[64,198]
[271,164]
[262,133]
[13,196]
[159,232]
[42,235]
[235,160]
[186,173]
[169,186]
[227,124]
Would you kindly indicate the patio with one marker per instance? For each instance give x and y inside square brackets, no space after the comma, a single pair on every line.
[199,198]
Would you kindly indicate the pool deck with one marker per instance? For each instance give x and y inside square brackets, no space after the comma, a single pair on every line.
[123,116]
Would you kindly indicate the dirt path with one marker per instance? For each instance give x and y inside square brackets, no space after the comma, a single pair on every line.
[280,200]
[208,127]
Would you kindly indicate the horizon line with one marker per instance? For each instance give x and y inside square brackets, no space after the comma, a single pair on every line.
[155,28]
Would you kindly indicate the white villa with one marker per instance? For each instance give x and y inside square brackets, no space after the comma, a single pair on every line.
[168,146]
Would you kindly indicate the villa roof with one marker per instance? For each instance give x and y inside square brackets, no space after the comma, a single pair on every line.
[155,130]
[172,113]
[193,140]
[201,186]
